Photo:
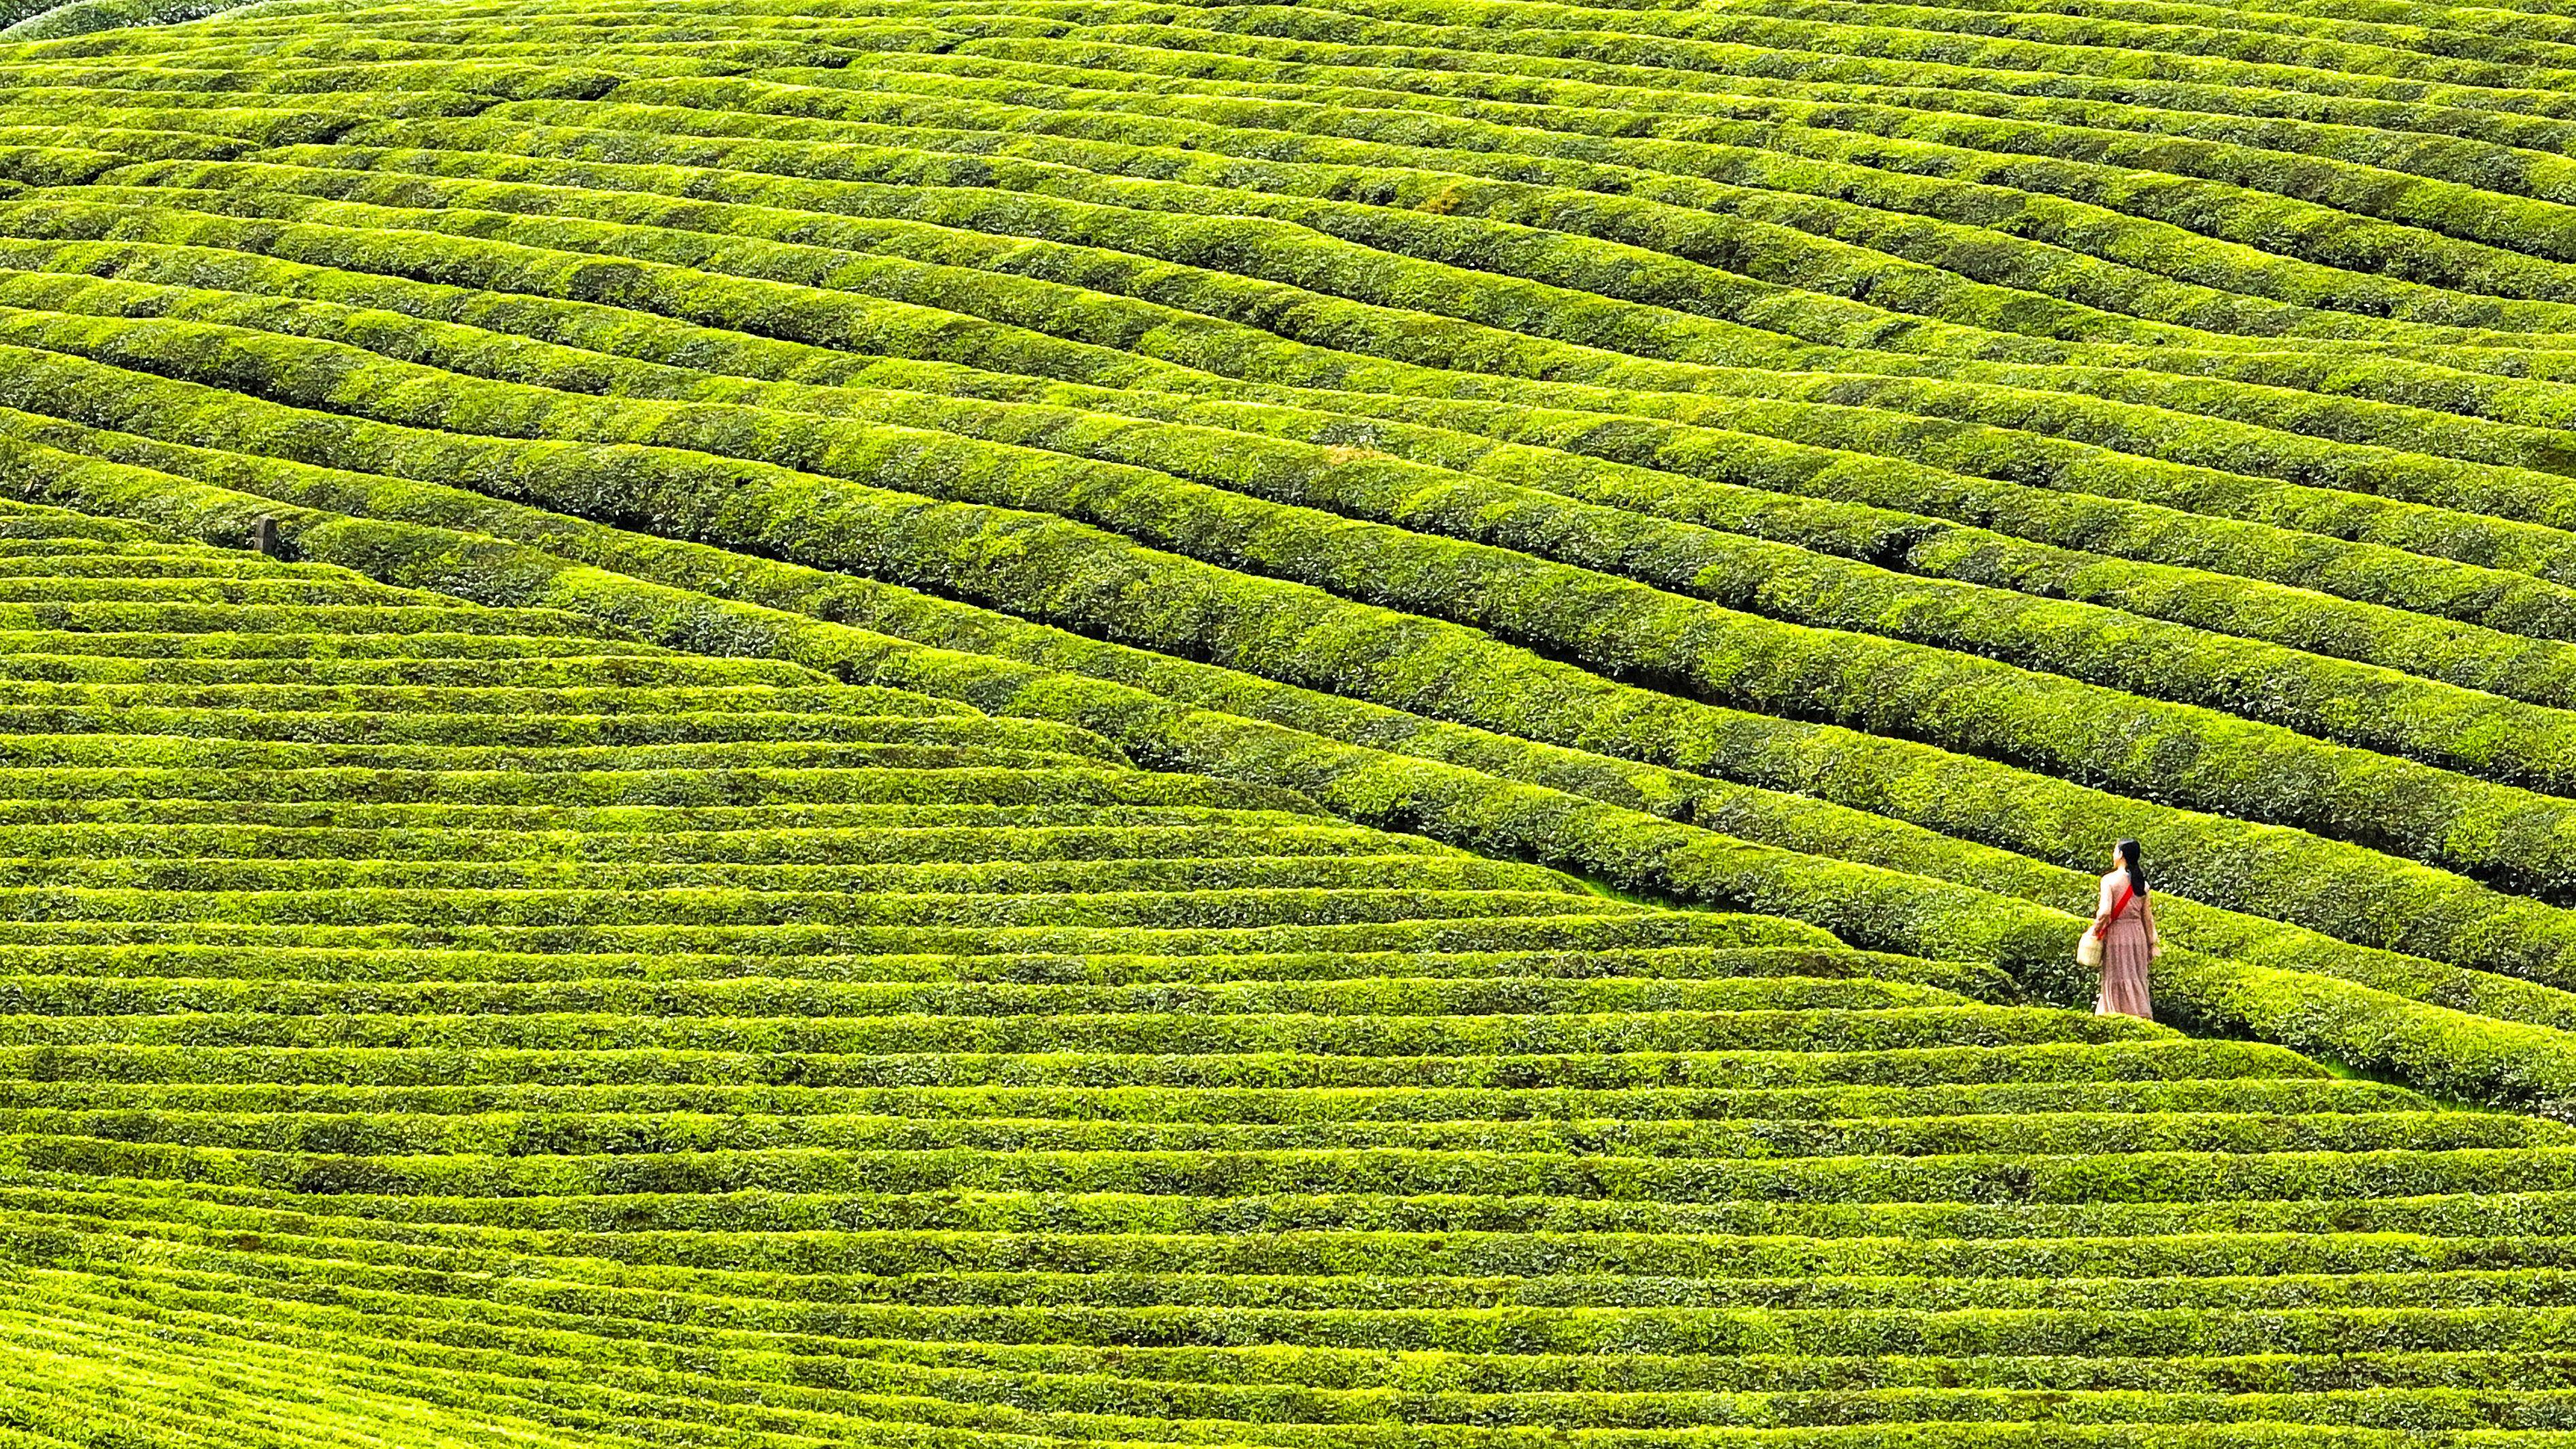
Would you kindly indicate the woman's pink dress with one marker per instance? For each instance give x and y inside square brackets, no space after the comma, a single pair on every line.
[2127,948]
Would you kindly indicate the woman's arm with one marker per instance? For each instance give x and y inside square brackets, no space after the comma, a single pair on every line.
[2102,909]
[2147,917]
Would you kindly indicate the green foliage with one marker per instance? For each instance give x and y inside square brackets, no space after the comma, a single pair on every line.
[2373,1027]
[980,724]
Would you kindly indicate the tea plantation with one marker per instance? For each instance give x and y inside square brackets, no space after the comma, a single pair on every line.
[431,1023]
[994,723]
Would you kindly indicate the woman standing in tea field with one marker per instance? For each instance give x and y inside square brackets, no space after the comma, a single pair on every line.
[2123,939]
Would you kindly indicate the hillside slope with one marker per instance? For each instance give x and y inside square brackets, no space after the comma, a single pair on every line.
[1848,461]
[424,1023]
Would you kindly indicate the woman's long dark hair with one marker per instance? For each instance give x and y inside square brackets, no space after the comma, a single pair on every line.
[2129,861]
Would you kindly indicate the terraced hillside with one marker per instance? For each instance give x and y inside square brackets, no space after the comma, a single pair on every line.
[364,944]
[426,1023]
[1846,461]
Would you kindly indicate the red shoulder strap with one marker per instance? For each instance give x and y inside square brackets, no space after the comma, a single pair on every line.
[2118,904]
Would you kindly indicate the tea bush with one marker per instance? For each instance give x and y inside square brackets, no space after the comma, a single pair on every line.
[989,723]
